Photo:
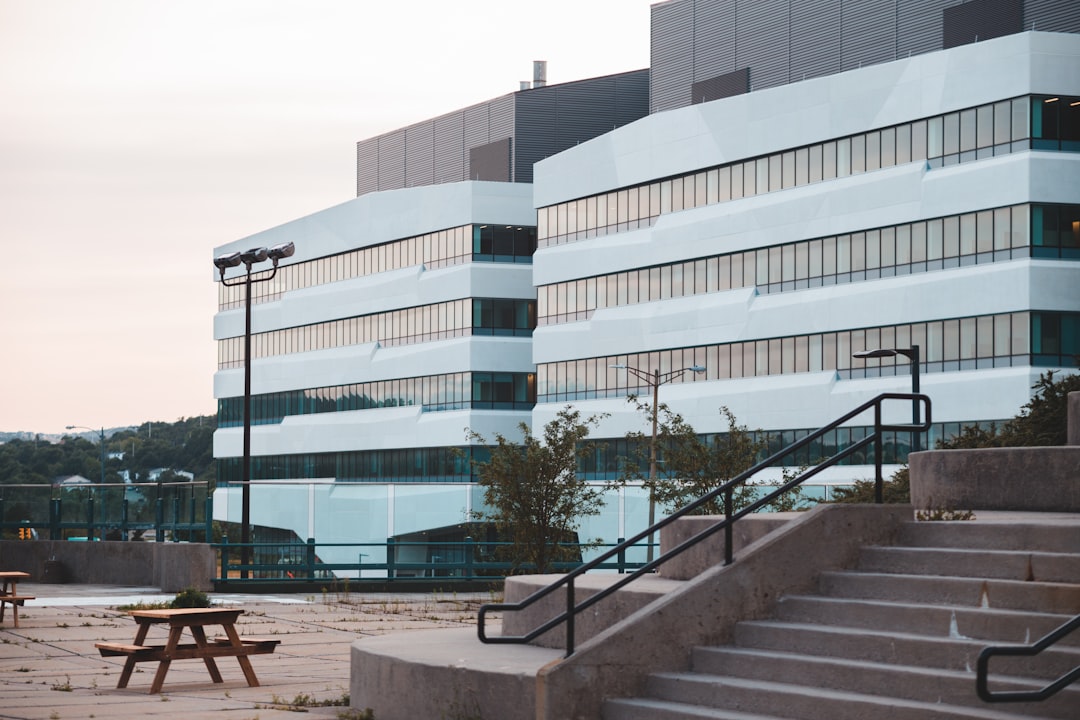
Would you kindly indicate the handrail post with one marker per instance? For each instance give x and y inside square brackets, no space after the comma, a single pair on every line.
[225,558]
[729,510]
[570,617]
[123,515]
[55,513]
[470,549]
[90,516]
[159,517]
[879,482]
[621,555]
[391,551]
[209,516]
[309,558]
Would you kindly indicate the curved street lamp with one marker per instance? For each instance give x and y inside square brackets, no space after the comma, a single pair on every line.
[224,262]
[655,379]
[912,354]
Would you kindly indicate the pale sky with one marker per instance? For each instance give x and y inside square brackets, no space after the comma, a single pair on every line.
[137,135]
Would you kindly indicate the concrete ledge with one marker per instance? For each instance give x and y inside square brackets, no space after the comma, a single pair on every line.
[604,614]
[170,566]
[1040,479]
[444,674]
[704,611]
[709,552]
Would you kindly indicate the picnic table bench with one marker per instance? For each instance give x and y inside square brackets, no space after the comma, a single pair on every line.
[9,593]
[195,620]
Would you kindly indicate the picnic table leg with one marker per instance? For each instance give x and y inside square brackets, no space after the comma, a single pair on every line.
[129,663]
[163,666]
[244,660]
[200,639]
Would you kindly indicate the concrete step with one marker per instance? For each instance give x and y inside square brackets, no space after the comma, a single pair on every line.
[951,687]
[998,564]
[805,702]
[1052,535]
[652,709]
[946,653]
[960,591]
[986,624]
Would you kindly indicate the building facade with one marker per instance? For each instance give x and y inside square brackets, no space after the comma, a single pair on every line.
[769,236]
[766,231]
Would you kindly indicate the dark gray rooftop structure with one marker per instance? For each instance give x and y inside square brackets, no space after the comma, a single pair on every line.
[500,139]
[705,50]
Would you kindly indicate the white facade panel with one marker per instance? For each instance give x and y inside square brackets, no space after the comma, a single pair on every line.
[676,141]
[382,217]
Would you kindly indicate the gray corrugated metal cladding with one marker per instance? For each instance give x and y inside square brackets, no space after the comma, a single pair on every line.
[536,123]
[783,41]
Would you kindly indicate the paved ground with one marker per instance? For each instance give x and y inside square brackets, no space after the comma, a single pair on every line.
[50,670]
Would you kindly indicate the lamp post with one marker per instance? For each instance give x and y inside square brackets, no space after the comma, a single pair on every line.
[101,445]
[912,354]
[223,263]
[655,379]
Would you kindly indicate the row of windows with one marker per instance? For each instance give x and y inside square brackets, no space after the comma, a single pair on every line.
[1037,338]
[456,318]
[994,129]
[449,391]
[903,249]
[467,243]
[446,464]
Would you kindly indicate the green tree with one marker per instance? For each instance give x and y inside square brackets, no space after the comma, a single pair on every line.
[897,489]
[690,466]
[533,492]
[1043,421]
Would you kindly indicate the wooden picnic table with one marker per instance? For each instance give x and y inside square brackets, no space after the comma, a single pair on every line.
[195,621]
[9,593]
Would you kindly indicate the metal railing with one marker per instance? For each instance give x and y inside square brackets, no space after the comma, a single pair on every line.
[468,560]
[96,511]
[727,490]
[982,668]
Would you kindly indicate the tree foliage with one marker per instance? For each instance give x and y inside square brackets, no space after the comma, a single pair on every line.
[897,489]
[689,466]
[1043,421]
[186,445]
[533,492]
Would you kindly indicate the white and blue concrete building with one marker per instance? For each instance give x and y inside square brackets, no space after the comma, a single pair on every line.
[768,219]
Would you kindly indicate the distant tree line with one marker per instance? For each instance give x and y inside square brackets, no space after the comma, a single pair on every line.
[185,445]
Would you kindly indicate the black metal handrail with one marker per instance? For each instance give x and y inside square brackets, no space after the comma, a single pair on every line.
[730,517]
[982,668]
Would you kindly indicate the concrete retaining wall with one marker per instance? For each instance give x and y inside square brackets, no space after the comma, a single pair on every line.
[1039,479]
[170,566]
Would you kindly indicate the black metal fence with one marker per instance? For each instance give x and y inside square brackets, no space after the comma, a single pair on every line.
[112,511]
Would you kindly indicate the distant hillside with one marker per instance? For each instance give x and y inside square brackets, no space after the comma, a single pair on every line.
[184,445]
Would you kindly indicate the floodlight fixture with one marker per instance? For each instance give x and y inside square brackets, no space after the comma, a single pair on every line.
[280,252]
[254,255]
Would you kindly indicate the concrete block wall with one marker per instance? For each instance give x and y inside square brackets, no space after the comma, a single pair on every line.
[172,567]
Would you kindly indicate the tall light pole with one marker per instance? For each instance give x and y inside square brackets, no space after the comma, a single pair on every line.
[912,354]
[223,263]
[655,379]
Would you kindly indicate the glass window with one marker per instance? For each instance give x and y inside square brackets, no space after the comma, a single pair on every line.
[935,137]
[749,178]
[1020,119]
[843,157]
[802,166]
[736,181]
[724,184]
[984,134]
[814,153]
[967,130]
[951,237]
[951,133]
[762,170]
[776,174]
[788,172]
[828,153]
[873,151]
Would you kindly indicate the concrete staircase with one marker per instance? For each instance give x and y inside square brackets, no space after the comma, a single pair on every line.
[897,636]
